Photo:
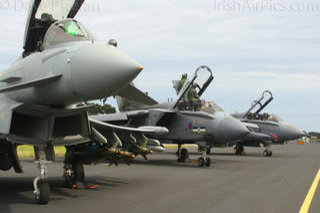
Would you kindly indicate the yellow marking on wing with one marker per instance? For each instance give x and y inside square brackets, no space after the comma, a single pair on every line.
[307,202]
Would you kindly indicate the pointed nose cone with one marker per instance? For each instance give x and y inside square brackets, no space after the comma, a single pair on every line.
[99,70]
[231,129]
[289,132]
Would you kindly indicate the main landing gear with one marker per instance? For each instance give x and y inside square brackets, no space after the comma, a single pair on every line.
[204,161]
[73,169]
[267,152]
[41,187]
[183,156]
[239,149]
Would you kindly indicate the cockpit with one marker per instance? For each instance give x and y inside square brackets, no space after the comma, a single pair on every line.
[197,106]
[67,30]
[43,15]
[264,117]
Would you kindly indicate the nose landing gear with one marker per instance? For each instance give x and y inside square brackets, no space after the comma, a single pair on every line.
[41,187]
[267,152]
[204,162]
[239,149]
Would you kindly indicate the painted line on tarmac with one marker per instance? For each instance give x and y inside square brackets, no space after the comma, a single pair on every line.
[307,202]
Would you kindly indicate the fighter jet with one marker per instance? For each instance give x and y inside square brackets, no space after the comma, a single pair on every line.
[184,126]
[265,129]
[62,64]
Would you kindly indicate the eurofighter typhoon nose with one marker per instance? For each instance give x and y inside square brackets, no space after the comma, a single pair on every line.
[99,70]
[231,129]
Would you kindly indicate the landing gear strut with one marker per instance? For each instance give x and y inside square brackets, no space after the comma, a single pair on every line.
[179,149]
[204,161]
[41,187]
[184,155]
[73,169]
[239,149]
[267,152]
[208,151]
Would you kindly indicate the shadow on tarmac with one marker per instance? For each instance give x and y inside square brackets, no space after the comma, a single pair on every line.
[18,190]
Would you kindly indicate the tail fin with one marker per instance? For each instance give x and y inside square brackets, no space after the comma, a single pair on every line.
[125,104]
[131,98]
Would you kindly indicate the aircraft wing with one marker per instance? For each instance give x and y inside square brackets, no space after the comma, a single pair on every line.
[144,129]
[31,83]
[161,117]
[106,133]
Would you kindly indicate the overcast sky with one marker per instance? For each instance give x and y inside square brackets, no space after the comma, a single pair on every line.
[250,45]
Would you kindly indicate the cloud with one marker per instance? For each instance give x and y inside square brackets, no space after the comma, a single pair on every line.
[249,51]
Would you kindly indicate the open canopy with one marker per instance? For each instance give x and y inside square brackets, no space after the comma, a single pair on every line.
[42,14]
[66,30]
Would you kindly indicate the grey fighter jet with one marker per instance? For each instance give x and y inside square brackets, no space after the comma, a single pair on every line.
[62,64]
[184,126]
[265,129]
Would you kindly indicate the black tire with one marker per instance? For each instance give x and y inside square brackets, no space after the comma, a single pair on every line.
[241,149]
[265,153]
[184,153]
[178,153]
[237,151]
[79,172]
[201,162]
[270,153]
[208,162]
[68,182]
[208,151]
[44,192]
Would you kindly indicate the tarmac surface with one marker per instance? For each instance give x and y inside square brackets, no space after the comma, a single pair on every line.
[247,183]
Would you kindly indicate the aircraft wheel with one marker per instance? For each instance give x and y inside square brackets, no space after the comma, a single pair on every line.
[184,155]
[270,153]
[208,162]
[237,152]
[68,181]
[208,151]
[241,149]
[265,153]
[79,172]
[201,162]
[43,193]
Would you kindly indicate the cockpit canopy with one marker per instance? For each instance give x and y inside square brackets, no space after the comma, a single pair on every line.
[264,117]
[67,30]
[42,14]
[274,118]
[58,9]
